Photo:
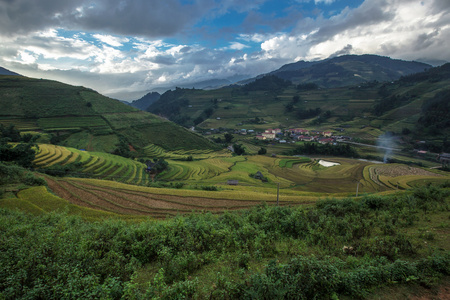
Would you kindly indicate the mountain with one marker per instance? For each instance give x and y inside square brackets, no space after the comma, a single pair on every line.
[348,70]
[144,102]
[366,110]
[82,118]
[4,71]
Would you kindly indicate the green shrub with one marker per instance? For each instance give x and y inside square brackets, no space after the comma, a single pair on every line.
[32,180]
[301,278]
[209,188]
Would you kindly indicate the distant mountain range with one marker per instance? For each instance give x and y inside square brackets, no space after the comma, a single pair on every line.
[415,103]
[144,102]
[4,71]
[346,70]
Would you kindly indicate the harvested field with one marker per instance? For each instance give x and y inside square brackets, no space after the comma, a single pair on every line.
[135,202]
[394,170]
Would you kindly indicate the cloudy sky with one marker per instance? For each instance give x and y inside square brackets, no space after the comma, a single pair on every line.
[125,48]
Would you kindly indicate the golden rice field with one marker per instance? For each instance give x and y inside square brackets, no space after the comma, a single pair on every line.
[301,180]
[122,199]
[93,164]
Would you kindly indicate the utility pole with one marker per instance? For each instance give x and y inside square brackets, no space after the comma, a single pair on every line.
[357,188]
[278,194]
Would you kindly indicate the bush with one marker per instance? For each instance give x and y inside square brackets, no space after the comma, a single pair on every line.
[209,188]
[32,180]
[12,174]
[301,278]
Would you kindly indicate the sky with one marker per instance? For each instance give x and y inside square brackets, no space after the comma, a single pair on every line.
[126,48]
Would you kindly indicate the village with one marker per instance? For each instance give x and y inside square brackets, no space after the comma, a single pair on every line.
[291,135]
[299,134]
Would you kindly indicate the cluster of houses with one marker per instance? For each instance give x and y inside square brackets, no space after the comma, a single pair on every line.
[299,134]
[287,135]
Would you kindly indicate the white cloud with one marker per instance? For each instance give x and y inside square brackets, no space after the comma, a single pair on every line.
[111,40]
[324,1]
[403,29]
[26,57]
[238,46]
[112,63]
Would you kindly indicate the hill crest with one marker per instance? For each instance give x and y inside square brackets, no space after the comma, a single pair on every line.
[84,119]
[7,72]
[347,70]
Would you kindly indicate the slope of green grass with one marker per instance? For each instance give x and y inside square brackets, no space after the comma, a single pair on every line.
[83,119]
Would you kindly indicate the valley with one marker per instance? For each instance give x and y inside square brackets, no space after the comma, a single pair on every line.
[252,182]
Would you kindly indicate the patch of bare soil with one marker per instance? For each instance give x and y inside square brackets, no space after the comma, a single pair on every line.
[400,170]
[97,202]
[175,202]
[145,200]
[186,202]
[62,192]
[441,293]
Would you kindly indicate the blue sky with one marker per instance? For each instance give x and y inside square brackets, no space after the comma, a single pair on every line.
[125,48]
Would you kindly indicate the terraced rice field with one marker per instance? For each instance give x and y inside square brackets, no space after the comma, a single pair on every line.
[302,181]
[396,176]
[93,164]
[299,173]
[21,124]
[157,203]
[154,151]
[205,169]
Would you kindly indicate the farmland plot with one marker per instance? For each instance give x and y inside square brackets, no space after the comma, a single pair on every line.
[157,203]
[93,164]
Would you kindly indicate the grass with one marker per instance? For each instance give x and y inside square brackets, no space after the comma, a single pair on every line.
[71,122]
[288,163]
[38,200]
[84,119]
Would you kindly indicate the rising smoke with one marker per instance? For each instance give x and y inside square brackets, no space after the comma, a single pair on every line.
[385,143]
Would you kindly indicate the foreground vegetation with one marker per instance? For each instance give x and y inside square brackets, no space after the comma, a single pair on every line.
[338,248]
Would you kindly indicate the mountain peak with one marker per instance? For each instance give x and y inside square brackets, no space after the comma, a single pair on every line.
[349,69]
[4,71]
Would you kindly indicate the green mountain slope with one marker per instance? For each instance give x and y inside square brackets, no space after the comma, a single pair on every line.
[349,70]
[364,111]
[82,118]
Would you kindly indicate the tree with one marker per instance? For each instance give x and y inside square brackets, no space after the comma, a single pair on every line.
[10,132]
[208,112]
[262,151]
[22,154]
[289,107]
[160,165]
[123,148]
[198,120]
[228,137]
[239,149]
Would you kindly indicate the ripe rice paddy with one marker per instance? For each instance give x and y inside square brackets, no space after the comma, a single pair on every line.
[121,184]
[124,199]
[93,164]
